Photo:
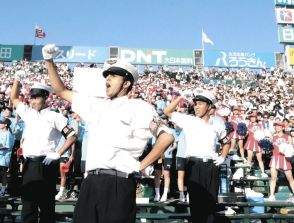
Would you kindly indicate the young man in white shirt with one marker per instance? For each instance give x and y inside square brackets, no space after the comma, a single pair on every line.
[119,129]
[43,130]
[202,133]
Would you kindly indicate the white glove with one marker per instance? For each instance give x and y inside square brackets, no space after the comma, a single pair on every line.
[187,94]
[20,75]
[49,51]
[51,157]
[219,160]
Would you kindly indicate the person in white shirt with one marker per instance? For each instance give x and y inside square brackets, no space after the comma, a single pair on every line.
[202,134]
[43,130]
[119,129]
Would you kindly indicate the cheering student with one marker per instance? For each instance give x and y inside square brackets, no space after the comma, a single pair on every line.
[251,144]
[202,133]
[119,129]
[279,162]
[43,130]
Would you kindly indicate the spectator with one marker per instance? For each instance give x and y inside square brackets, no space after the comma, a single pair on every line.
[6,145]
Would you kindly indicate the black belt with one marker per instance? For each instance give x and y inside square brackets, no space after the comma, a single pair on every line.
[196,159]
[36,158]
[111,172]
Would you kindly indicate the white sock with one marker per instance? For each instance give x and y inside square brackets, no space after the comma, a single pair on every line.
[182,194]
[61,190]
[165,191]
[157,190]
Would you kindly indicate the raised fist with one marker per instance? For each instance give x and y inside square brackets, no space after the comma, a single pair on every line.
[49,51]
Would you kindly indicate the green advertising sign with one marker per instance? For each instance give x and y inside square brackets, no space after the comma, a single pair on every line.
[286,34]
[157,56]
[11,52]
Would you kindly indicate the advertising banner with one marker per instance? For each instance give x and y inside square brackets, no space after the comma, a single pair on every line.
[11,52]
[285,15]
[75,54]
[157,56]
[238,59]
[284,2]
[290,55]
[286,34]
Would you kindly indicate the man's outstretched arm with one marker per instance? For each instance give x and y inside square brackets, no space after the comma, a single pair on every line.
[49,51]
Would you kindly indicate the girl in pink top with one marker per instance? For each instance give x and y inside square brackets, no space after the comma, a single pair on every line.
[251,144]
[278,161]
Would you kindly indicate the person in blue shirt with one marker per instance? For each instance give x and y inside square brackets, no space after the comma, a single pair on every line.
[167,164]
[75,170]
[181,157]
[65,160]
[180,162]
[6,144]
[159,102]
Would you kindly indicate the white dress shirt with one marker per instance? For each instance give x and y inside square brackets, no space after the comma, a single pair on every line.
[201,138]
[42,130]
[118,131]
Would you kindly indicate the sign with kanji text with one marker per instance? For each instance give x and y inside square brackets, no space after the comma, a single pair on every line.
[11,52]
[286,34]
[157,56]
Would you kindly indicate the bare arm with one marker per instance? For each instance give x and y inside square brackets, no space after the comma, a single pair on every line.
[162,142]
[14,94]
[172,106]
[69,141]
[73,146]
[225,150]
[56,82]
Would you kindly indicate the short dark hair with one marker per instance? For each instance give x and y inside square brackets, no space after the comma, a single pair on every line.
[131,79]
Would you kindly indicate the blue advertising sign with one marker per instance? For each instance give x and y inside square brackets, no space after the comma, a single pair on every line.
[238,59]
[11,52]
[75,54]
[284,2]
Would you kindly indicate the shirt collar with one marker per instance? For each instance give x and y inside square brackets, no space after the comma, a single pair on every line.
[44,110]
[117,101]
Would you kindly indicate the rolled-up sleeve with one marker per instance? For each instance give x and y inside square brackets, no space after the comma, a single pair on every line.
[22,110]
[180,119]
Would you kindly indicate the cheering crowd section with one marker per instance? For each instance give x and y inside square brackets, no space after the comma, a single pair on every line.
[250,88]
[266,93]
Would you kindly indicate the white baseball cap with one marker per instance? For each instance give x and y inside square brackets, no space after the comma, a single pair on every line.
[204,95]
[120,67]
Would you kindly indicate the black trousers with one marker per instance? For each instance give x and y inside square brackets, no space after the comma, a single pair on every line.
[203,184]
[106,199]
[38,191]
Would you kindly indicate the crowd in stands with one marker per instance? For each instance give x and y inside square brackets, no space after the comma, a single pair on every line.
[268,94]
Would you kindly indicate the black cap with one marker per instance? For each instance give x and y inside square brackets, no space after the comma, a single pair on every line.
[36,92]
[8,108]
[118,71]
